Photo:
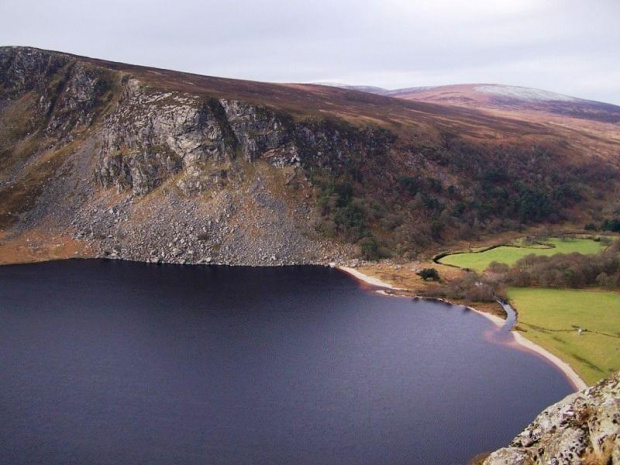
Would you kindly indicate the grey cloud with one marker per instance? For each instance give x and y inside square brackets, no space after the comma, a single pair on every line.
[566,46]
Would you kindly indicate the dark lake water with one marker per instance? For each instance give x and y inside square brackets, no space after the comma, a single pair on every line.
[124,363]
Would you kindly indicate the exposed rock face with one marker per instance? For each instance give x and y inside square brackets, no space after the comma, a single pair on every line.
[582,429]
[229,177]
[154,135]
[255,173]
[68,91]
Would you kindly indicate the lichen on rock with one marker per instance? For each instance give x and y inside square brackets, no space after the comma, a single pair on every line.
[582,429]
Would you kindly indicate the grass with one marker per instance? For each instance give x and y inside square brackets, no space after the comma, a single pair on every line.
[22,194]
[405,277]
[479,261]
[551,317]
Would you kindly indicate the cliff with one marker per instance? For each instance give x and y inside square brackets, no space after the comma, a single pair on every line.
[145,174]
[155,165]
[582,429]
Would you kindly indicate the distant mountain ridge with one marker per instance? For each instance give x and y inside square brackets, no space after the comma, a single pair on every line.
[504,97]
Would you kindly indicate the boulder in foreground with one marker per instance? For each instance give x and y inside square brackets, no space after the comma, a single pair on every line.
[582,429]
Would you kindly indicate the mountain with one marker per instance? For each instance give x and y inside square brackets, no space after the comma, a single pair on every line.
[570,116]
[503,98]
[512,98]
[109,159]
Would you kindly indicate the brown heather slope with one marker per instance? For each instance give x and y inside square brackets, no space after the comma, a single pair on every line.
[414,118]
[586,125]
[149,164]
[513,98]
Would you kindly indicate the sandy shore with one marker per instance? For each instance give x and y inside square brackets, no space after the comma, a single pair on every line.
[367,279]
[496,320]
[564,367]
[519,340]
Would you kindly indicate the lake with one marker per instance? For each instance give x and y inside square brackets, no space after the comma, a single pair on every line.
[109,362]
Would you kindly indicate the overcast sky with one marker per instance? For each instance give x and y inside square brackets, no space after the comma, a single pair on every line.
[566,46]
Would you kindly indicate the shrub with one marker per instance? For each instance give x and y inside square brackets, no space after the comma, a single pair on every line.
[497,267]
[370,248]
[428,273]
[612,225]
[471,287]
[409,184]
[568,270]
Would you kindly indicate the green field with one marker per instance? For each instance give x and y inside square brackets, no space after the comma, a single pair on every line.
[479,261]
[550,318]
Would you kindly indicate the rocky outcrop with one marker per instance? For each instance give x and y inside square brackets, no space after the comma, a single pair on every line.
[582,429]
[70,94]
[229,178]
[270,173]
[153,135]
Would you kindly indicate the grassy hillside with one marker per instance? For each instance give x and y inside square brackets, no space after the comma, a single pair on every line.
[552,317]
[480,261]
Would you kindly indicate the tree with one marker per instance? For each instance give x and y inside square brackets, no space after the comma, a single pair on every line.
[612,225]
[428,273]
[370,248]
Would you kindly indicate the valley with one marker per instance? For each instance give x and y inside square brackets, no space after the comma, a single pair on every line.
[580,326]
[460,193]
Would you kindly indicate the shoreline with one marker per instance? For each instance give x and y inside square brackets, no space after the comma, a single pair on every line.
[496,320]
[367,279]
[522,342]
[519,341]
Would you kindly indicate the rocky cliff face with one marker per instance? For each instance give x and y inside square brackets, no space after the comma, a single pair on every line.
[152,136]
[154,165]
[69,93]
[582,429]
[168,176]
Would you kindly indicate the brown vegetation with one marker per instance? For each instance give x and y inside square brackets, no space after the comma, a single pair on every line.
[584,126]
[573,270]
[394,177]
[40,245]
[470,288]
